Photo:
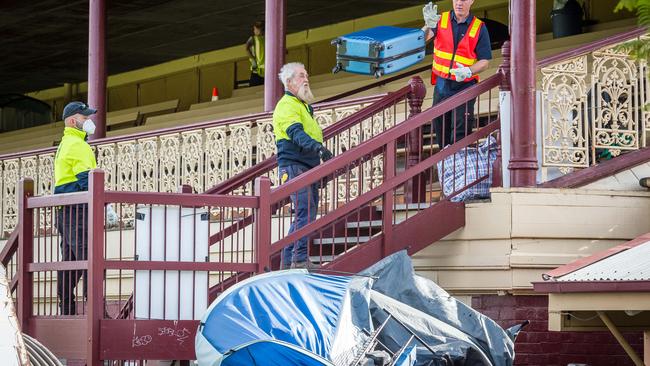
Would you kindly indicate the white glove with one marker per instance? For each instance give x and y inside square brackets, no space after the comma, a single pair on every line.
[461,72]
[111,216]
[430,15]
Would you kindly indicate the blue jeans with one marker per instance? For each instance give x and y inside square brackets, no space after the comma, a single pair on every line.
[305,205]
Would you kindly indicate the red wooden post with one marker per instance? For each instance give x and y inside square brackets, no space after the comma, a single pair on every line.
[275,29]
[388,200]
[185,188]
[504,68]
[416,187]
[95,264]
[263,224]
[25,254]
[97,65]
[523,156]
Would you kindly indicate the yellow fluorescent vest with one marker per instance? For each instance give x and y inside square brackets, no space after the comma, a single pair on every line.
[290,110]
[73,156]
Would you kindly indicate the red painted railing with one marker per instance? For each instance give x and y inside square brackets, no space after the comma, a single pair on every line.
[401,207]
[379,107]
[151,264]
[160,258]
[369,212]
[592,46]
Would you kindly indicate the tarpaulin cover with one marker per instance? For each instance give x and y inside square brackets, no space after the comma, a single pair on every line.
[301,318]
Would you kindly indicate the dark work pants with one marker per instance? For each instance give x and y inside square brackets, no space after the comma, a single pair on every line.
[305,205]
[462,117]
[255,79]
[72,223]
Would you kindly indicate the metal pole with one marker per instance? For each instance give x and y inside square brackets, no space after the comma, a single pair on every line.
[274,46]
[97,65]
[619,337]
[523,156]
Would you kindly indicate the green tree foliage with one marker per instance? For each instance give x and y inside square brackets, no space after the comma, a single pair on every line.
[639,49]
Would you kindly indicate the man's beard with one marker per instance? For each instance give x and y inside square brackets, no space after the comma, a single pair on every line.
[305,94]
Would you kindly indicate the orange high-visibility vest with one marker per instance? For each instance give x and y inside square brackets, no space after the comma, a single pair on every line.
[444,58]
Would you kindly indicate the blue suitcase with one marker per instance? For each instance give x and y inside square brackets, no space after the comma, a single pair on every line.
[379,51]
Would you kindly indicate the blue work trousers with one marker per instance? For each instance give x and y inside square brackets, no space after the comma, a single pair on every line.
[305,205]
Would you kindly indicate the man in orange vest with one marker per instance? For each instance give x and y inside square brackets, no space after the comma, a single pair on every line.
[461,49]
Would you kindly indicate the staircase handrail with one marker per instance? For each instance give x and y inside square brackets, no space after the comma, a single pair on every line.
[8,251]
[592,46]
[263,167]
[376,144]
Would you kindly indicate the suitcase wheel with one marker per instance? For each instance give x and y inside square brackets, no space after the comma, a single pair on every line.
[336,68]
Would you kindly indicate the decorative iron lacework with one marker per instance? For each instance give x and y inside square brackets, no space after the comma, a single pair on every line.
[592,108]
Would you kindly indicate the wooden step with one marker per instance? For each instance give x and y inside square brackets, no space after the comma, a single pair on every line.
[351,240]
[364,224]
[408,207]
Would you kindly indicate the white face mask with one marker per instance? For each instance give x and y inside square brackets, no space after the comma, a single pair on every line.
[89,126]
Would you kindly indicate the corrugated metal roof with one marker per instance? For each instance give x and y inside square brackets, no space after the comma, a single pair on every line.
[629,265]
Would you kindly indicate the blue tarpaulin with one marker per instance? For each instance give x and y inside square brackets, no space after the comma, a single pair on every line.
[295,317]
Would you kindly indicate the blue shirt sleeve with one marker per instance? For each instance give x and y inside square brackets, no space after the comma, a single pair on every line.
[301,138]
[483,48]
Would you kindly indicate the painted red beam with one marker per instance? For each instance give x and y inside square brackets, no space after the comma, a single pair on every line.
[600,171]
[58,200]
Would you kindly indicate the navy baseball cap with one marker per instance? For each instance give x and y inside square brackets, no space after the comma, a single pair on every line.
[77,107]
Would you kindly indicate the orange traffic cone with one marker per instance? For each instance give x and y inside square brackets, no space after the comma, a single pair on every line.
[215,94]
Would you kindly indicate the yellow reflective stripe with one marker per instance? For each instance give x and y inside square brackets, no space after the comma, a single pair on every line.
[444,20]
[447,56]
[441,68]
[442,54]
[475,26]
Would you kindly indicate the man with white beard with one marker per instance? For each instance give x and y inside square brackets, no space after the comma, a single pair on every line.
[299,140]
